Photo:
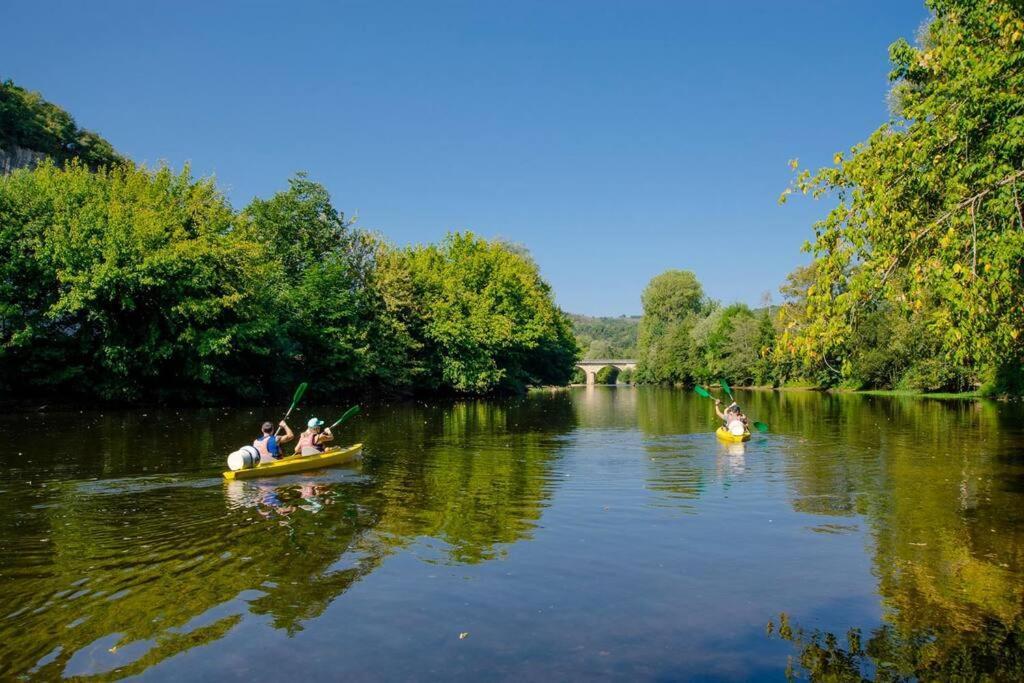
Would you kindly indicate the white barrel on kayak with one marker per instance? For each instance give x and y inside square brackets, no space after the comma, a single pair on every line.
[245,458]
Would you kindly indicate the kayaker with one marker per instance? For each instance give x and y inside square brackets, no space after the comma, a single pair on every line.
[269,443]
[734,419]
[313,439]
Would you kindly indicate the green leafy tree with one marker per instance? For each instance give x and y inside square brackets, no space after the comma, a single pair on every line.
[333,323]
[138,287]
[486,319]
[671,302]
[764,368]
[727,345]
[928,215]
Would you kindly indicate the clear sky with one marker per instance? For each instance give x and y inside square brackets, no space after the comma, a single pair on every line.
[615,140]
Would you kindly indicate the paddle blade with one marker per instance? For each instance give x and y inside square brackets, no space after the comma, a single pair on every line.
[348,413]
[726,389]
[761,427]
[299,393]
[702,391]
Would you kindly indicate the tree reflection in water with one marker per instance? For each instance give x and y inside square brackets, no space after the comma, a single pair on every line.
[136,570]
[948,541]
[995,651]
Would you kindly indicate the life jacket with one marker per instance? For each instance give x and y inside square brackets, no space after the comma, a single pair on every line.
[307,440]
[262,445]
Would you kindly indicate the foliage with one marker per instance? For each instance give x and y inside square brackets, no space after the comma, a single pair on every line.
[487,319]
[607,375]
[127,284]
[890,655]
[686,338]
[29,121]
[333,323]
[928,226]
[672,302]
[123,284]
[606,337]
[727,345]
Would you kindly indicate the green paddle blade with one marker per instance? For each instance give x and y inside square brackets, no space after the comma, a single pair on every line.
[726,389]
[702,391]
[761,426]
[299,393]
[348,413]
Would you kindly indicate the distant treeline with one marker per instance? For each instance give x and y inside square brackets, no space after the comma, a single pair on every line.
[127,284]
[605,337]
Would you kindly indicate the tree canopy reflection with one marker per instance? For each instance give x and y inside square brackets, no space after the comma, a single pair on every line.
[126,574]
[938,494]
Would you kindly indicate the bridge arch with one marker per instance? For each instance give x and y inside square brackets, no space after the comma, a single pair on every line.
[591,367]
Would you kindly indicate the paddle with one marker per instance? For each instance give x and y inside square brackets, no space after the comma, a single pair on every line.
[760,426]
[726,389]
[348,413]
[701,391]
[295,401]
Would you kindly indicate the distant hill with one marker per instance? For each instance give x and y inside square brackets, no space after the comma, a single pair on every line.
[601,337]
[32,128]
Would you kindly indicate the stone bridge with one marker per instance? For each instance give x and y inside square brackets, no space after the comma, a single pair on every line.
[591,367]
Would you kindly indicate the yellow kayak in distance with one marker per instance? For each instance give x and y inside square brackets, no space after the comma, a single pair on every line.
[298,463]
[725,435]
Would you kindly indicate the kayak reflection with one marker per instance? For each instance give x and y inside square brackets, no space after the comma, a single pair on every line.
[280,500]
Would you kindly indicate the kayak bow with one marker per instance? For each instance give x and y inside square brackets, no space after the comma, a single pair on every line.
[725,435]
[298,463]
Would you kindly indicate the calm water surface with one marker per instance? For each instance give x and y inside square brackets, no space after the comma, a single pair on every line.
[590,533]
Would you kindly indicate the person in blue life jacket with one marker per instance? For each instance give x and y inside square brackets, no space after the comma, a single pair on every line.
[269,444]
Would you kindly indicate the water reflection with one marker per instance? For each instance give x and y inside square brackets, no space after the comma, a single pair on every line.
[933,482]
[596,532]
[113,576]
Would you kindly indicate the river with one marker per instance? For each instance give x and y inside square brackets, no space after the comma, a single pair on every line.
[574,534]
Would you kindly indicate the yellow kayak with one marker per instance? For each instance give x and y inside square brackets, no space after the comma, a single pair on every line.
[725,435]
[298,463]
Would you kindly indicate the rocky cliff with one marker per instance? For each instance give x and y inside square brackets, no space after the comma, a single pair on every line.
[18,157]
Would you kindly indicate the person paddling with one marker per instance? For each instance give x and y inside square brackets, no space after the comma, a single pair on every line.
[734,419]
[269,443]
[313,439]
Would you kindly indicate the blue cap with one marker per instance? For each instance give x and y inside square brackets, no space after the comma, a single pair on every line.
[313,422]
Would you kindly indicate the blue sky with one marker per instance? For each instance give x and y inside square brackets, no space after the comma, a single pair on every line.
[615,140]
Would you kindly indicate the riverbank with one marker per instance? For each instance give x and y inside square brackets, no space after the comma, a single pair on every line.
[904,393]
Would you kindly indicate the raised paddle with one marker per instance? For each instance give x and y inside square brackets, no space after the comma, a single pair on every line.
[726,389]
[348,413]
[701,391]
[760,426]
[295,401]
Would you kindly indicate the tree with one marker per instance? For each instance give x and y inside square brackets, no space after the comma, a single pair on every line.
[727,345]
[124,283]
[671,301]
[486,318]
[928,216]
[333,324]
